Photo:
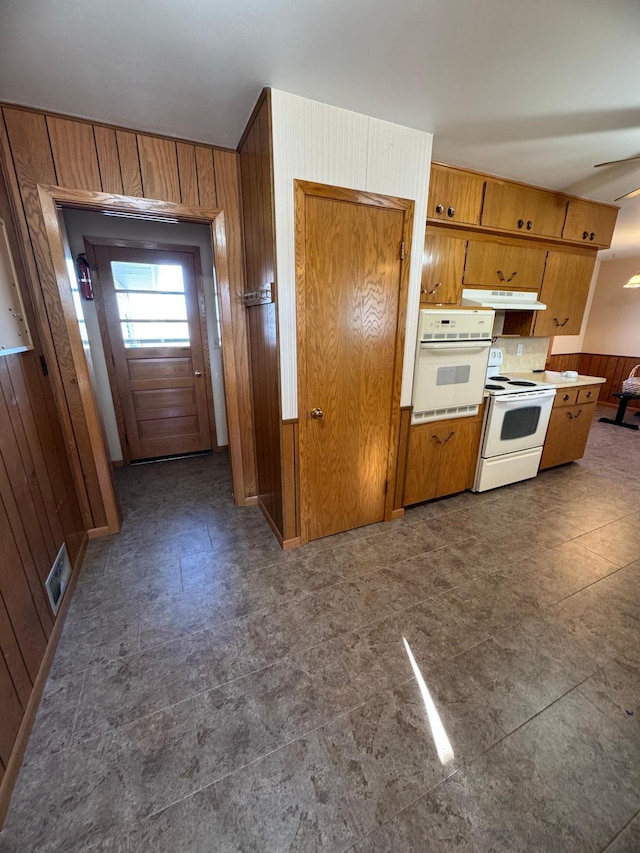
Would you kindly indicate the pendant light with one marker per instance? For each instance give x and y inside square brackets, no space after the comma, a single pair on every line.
[634,281]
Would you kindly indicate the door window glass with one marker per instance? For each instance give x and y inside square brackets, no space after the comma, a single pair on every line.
[519,423]
[151,304]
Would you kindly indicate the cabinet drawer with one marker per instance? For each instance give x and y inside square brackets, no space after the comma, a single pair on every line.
[588,394]
[503,265]
[566,397]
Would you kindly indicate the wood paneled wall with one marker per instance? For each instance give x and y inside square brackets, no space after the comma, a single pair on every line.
[39,148]
[256,170]
[615,368]
[39,511]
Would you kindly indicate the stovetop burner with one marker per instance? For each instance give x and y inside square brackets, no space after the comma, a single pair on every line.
[491,387]
[522,382]
[499,378]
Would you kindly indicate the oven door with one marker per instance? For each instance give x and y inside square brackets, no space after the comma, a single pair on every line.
[450,374]
[517,422]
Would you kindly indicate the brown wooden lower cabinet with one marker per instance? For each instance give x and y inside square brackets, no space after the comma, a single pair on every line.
[441,458]
[569,426]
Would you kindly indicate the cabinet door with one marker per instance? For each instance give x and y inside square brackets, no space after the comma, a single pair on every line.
[567,434]
[454,195]
[524,209]
[423,462]
[442,267]
[590,223]
[459,455]
[504,266]
[564,291]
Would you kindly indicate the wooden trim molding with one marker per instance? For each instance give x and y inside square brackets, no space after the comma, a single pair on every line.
[302,190]
[403,442]
[87,423]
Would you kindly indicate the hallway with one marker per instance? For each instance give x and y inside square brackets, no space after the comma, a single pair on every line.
[213,693]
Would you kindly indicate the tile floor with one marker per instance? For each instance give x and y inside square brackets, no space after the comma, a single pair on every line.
[212,693]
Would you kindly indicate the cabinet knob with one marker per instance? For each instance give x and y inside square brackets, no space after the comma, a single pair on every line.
[585,234]
[529,225]
[451,211]
[588,394]
[197,373]
[592,236]
[317,414]
[520,223]
[440,208]
[565,397]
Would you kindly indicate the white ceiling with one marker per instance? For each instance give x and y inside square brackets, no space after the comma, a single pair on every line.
[538,90]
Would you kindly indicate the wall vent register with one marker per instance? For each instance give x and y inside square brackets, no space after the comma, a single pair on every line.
[58,578]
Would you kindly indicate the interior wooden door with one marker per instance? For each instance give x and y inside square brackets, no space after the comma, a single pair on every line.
[152,312]
[351,288]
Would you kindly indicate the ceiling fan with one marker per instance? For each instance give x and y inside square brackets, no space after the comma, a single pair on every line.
[631,194]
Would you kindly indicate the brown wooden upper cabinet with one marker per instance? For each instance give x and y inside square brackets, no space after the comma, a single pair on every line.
[591,223]
[500,264]
[565,289]
[442,268]
[513,207]
[454,195]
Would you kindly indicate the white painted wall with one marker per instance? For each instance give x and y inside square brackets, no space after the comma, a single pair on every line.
[563,344]
[318,142]
[82,223]
[614,321]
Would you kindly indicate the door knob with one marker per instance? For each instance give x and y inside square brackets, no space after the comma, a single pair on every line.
[197,373]
[317,414]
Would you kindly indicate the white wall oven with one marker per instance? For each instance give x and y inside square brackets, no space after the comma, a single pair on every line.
[514,431]
[451,363]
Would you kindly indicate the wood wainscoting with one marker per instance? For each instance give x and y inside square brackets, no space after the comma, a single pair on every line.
[43,149]
[39,511]
[615,368]
[272,438]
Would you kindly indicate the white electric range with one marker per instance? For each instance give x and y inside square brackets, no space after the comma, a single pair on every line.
[514,429]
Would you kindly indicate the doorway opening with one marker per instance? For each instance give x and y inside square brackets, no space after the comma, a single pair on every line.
[152,325]
[74,375]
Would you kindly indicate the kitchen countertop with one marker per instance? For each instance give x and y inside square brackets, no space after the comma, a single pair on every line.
[555,378]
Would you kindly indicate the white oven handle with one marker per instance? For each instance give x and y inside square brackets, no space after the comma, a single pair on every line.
[467,345]
[546,393]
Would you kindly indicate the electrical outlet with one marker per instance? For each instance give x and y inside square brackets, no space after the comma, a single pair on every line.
[519,349]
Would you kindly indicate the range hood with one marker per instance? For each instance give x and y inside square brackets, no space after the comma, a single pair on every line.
[502,300]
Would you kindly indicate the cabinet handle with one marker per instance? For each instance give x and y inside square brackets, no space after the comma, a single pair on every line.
[578,413]
[520,223]
[585,234]
[440,209]
[500,275]
[529,225]
[449,437]
[513,275]
[451,211]
[556,322]
[592,236]
[435,439]
[433,289]
[570,415]
[565,321]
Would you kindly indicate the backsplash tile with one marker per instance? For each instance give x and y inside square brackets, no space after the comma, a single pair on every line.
[534,355]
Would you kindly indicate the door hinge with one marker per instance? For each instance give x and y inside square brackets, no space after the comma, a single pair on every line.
[43,365]
[402,251]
